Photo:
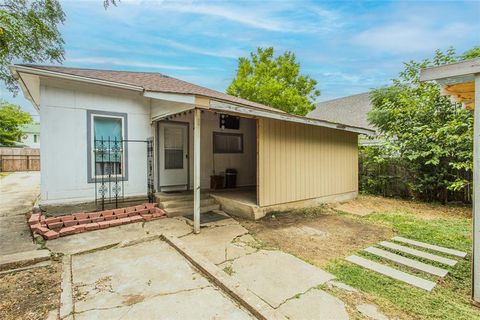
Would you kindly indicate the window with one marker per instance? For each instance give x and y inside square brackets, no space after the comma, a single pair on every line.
[227,142]
[173,147]
[107,149]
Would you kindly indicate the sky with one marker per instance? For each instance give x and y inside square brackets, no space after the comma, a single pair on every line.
[349,47]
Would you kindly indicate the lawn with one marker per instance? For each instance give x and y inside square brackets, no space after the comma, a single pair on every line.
[449,300]
[4,174]
[382,218]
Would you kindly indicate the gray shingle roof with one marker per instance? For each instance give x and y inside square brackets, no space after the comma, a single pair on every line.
[351,110]
[150,81]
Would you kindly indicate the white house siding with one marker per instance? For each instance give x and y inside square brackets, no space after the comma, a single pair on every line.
[245,162]
[63,113]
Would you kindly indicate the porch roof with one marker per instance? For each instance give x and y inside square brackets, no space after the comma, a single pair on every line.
[158,86]
[456,80]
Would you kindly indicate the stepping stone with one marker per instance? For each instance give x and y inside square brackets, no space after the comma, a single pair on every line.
[392,273]
[407,262]
[452,252]
[418,253]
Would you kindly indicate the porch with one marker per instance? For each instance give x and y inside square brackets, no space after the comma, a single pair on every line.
[205,161]
[240,202]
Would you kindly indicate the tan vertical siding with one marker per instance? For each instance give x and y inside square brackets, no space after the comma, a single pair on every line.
[298,162]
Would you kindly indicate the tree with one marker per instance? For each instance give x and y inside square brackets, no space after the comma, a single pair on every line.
[28,32]
[11,119]
[471,54]
[432,136]
[275,82]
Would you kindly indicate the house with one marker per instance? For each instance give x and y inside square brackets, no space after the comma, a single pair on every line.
[351,110]
[31,135]
[110,132]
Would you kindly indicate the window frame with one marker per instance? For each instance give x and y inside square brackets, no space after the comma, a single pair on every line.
[91,115]
[216,133]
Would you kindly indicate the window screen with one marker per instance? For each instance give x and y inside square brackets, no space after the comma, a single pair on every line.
[227,142]
[173,147]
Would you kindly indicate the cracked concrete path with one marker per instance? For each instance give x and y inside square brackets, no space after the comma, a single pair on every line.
[146,280]
[285,282]
[18,192]
[276,276]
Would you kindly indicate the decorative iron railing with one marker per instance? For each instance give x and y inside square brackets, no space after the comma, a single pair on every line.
[110,170]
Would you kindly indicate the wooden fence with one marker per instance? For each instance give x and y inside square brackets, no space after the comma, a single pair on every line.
[19,159]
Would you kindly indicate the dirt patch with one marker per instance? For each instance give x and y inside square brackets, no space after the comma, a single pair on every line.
[365,205]
[30,294]
[317,239]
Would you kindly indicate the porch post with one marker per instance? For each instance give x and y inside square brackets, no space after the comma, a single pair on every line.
[476,193]
[196,171]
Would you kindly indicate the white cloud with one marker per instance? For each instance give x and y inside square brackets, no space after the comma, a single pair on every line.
[247,17]
[411,36]
[222,53]
[129,63]
[266,15]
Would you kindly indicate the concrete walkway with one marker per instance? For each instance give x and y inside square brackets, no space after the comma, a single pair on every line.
[18,192]
[149,280]
[286,283]
[130,282]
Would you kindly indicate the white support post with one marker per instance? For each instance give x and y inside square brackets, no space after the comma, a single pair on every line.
[196,171]
[476,194]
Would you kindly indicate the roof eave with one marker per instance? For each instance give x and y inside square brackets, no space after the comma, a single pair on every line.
[66,76]
[24,87]
[450,71]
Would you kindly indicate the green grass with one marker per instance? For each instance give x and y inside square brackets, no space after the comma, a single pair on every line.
[450,299]
[4,174]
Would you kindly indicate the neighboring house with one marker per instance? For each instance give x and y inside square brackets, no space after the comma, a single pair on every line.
[285,160]
[350,110]
[31,135]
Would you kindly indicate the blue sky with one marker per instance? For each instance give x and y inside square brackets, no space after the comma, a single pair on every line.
[348,46]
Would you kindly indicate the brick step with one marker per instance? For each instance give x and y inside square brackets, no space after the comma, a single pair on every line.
[185,203]
[185,211]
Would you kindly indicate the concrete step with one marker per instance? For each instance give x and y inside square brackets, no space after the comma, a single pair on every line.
[22,259]
[183,211]
[185,203]
[183,196]
[392,273]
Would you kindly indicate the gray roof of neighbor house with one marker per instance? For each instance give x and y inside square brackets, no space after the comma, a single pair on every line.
[149,81]
[351,110]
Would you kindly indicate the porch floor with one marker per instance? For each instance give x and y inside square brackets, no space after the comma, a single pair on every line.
[245,195]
